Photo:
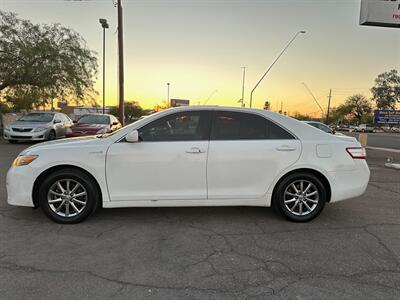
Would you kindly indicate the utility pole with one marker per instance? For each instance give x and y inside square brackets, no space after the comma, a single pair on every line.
[121,110]
[329,106]
[244,76]
[281,107]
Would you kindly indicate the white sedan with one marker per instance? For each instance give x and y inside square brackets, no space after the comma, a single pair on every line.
[192,156]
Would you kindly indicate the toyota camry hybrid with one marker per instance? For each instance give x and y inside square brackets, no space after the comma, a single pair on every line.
[192,156]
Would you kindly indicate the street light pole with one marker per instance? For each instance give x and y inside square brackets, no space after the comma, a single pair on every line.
[104,24]
[168,102]
[244,76]
[270,67]
[121,110]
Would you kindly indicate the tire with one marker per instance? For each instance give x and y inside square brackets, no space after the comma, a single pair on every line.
[296,206]
[51,136]
[12,141]
[81,202]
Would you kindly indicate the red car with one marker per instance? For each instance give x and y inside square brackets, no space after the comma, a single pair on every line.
[92,124]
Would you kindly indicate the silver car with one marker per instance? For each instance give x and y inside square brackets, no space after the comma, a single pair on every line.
[38,126]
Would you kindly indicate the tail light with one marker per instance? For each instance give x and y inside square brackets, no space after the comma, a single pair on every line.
[357,152]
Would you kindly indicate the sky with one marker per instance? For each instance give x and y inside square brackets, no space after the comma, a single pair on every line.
[200,47]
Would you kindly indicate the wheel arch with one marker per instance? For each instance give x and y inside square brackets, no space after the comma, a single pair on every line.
[316,173]
[39,180]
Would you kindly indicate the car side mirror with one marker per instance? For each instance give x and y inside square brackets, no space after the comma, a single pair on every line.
[132,137]
[57,121]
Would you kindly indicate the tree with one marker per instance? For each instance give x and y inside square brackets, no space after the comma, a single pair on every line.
[50,59]
[386,91]
[358,106]
[133,111]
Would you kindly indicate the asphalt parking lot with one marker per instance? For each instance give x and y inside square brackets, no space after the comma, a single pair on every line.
[352,251]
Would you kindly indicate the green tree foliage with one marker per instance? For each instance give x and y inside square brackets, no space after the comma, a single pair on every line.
[133,111]
[48,60]
[358,106]
[386,91]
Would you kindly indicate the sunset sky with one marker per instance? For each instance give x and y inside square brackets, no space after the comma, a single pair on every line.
[200,47]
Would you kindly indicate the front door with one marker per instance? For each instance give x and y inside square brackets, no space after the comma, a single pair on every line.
[168,163]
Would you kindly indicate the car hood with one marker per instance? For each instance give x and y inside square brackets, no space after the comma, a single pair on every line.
[22,124]
[78,142]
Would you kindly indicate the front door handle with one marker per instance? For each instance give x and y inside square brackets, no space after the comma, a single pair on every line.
[194,150]
[285,148]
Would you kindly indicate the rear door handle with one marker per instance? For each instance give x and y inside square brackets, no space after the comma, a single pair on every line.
[285,148]
[194,150]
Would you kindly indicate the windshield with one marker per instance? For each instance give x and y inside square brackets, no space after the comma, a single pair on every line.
[37,117]
[94,119]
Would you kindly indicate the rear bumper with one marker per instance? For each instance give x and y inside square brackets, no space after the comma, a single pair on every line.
[19,185]
[349,184]
[25,136]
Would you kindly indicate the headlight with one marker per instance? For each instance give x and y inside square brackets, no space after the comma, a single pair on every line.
[40,129]
[24,160]
[103,130]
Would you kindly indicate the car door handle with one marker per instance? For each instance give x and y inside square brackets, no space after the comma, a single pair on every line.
[194,150]
[285,148]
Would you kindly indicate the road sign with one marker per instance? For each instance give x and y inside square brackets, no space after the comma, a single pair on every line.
[384,13]
[387,116]
[179,102]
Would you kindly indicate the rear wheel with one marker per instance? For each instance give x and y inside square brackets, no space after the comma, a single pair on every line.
[300,197]
[68,196]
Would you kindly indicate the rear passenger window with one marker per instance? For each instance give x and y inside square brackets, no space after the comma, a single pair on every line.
[238,126]
[243,126]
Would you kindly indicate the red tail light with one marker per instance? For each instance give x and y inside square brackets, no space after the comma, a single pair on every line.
[357,152]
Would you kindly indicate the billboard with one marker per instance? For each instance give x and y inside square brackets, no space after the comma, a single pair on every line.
[387,116]
[179,102]
[385,13]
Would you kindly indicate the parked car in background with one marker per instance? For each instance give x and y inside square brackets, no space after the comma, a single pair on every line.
[364,128]
[92,124]
[323,127]
[38,126]
[192,156]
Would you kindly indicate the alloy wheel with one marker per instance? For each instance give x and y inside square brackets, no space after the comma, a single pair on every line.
[301,197]
[67,198]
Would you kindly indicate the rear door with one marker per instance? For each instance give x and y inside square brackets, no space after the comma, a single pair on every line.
[246,153]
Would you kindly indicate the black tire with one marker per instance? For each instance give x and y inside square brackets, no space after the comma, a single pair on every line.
[12,141]
[286,186]
[51,136]
[88,185]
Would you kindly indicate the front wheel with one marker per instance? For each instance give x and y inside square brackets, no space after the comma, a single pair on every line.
[68,196]
[300,197]
[52,135]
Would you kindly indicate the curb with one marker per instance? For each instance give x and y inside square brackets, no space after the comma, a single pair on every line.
[392,166]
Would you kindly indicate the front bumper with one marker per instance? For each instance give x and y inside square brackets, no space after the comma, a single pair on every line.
[19,185]
[25,136]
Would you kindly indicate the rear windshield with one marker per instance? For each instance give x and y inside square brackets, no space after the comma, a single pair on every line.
[94,119]
[37,117]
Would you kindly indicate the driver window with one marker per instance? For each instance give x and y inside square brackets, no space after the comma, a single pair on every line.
[186,126]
